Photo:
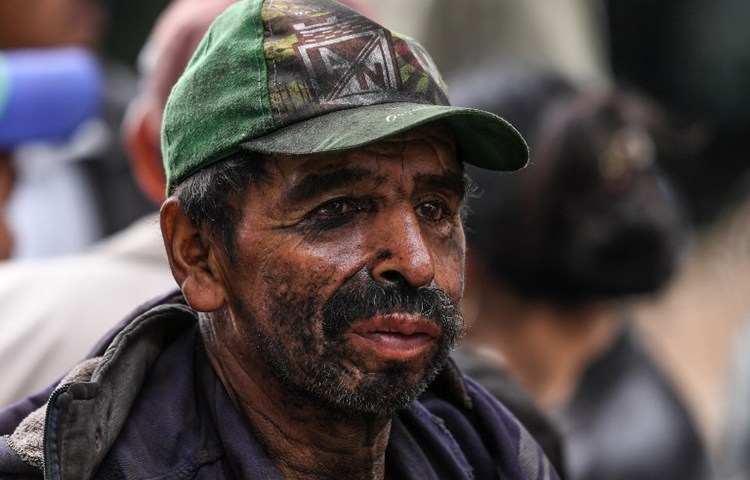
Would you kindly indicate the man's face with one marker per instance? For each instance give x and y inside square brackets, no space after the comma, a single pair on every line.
[347,274]
[50,23]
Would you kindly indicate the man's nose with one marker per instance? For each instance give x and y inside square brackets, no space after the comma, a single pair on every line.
[401,254]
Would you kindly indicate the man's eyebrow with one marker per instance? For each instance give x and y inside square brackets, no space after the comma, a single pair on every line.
[314,184]
[450,181]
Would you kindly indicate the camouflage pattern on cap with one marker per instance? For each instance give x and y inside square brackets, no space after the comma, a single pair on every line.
[301,77]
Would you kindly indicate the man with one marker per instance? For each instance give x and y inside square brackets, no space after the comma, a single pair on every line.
[313,224]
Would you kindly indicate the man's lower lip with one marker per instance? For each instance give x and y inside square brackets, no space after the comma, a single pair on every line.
[394,345]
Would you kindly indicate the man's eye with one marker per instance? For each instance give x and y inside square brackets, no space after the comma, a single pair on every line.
[433,211]
[335,213]
[335,208]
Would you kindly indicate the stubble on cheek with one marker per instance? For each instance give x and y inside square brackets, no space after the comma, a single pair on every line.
[453,247]
[290,335]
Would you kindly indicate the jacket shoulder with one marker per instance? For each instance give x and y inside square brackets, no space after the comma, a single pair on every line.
[493,440]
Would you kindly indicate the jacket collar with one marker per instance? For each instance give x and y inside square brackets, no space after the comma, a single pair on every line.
[84,419]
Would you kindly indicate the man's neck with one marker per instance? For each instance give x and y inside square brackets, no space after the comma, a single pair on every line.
[303,439]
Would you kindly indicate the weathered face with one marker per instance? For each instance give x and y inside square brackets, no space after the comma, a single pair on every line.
[50,23]
[348,272]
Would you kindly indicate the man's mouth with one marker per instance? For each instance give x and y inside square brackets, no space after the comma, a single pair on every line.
[396,336]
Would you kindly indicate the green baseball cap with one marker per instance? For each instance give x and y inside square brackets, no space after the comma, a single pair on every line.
[300,77]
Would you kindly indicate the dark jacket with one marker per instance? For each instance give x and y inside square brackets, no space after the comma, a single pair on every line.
[509,392]
[625,421]
[152,407]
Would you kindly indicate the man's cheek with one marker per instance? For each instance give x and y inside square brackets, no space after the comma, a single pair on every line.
[450,265]
[295,288]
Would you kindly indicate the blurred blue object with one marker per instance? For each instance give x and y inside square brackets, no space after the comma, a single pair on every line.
[46,94]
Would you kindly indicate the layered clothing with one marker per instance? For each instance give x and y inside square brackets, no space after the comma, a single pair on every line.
[148,404]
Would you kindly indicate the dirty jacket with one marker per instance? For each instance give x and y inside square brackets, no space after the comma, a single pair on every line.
[147,404]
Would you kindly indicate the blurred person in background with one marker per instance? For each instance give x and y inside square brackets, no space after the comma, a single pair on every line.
[64,193]
[555,257]
[525,93]
[50,82]
[52,311]
[45,95]
[692,56]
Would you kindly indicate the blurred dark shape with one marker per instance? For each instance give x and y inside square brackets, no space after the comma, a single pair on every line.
[131,22]
[517,92]
[592,217]
[555,254]
[627,422]
[692,57]
[521,94]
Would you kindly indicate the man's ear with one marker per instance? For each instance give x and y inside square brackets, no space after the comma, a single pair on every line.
[192,259]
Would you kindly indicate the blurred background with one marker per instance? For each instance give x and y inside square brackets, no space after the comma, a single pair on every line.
[690,57]
[130,25]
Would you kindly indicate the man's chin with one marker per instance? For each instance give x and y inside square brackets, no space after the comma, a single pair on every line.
[382,392]
[377,396]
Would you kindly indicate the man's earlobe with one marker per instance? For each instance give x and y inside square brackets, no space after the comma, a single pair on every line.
[191,259]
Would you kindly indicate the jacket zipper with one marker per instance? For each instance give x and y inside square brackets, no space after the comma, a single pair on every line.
[51,454]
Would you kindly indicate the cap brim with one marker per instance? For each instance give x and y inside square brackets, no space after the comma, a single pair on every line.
[483,139]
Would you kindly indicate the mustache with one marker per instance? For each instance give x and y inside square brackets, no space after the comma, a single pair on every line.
[360,300]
